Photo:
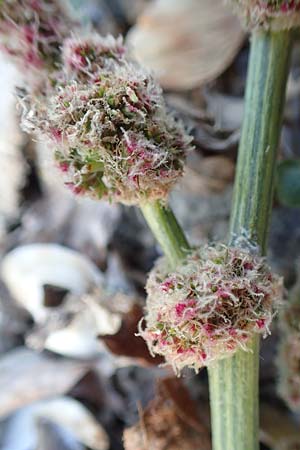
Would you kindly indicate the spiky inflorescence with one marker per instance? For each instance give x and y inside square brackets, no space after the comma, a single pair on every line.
[31,33]
[210,306]
[268,14]
[113,136]
[288,361]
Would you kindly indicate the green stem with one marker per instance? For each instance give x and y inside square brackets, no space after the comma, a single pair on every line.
[167,231]
[234,381]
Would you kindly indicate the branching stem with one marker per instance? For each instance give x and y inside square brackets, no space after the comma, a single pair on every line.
[234,381]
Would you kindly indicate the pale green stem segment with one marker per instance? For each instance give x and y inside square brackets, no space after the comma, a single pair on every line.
[234,381]
[166,230]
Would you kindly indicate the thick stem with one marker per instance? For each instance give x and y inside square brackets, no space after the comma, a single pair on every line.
[167,231]
[265,95]
[234,381]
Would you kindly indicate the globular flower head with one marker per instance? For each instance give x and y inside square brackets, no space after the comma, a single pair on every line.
[113,136]
[209,307]
[31,33]
[84,57]
[268,14]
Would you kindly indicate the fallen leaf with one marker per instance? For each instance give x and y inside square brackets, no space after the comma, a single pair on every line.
[26,376]
[126,343]
[73,416]
[66,413]
[184,405]
[167,423]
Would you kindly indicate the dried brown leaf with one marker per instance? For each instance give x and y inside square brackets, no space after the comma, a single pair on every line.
[125,343]
[184,405]
[170,422]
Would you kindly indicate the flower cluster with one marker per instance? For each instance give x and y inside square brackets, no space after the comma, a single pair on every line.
[268,14]
[108,122]
[289,352]
[84,57]
[31,33]
[209,307]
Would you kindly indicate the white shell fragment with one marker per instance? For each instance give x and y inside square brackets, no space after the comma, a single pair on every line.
[26,269]
[79,338]
[106,321]
[73,326]
[186,43]
[76,340]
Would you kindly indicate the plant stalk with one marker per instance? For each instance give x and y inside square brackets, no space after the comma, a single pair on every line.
[167,231]
[234,381]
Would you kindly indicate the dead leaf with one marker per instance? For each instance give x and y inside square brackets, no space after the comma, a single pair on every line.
[184,42]
[26,376]
[74,417]
[125,343]
[184,405]
[170,422]
[69,415]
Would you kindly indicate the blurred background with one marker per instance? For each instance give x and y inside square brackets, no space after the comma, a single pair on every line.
[73,375]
